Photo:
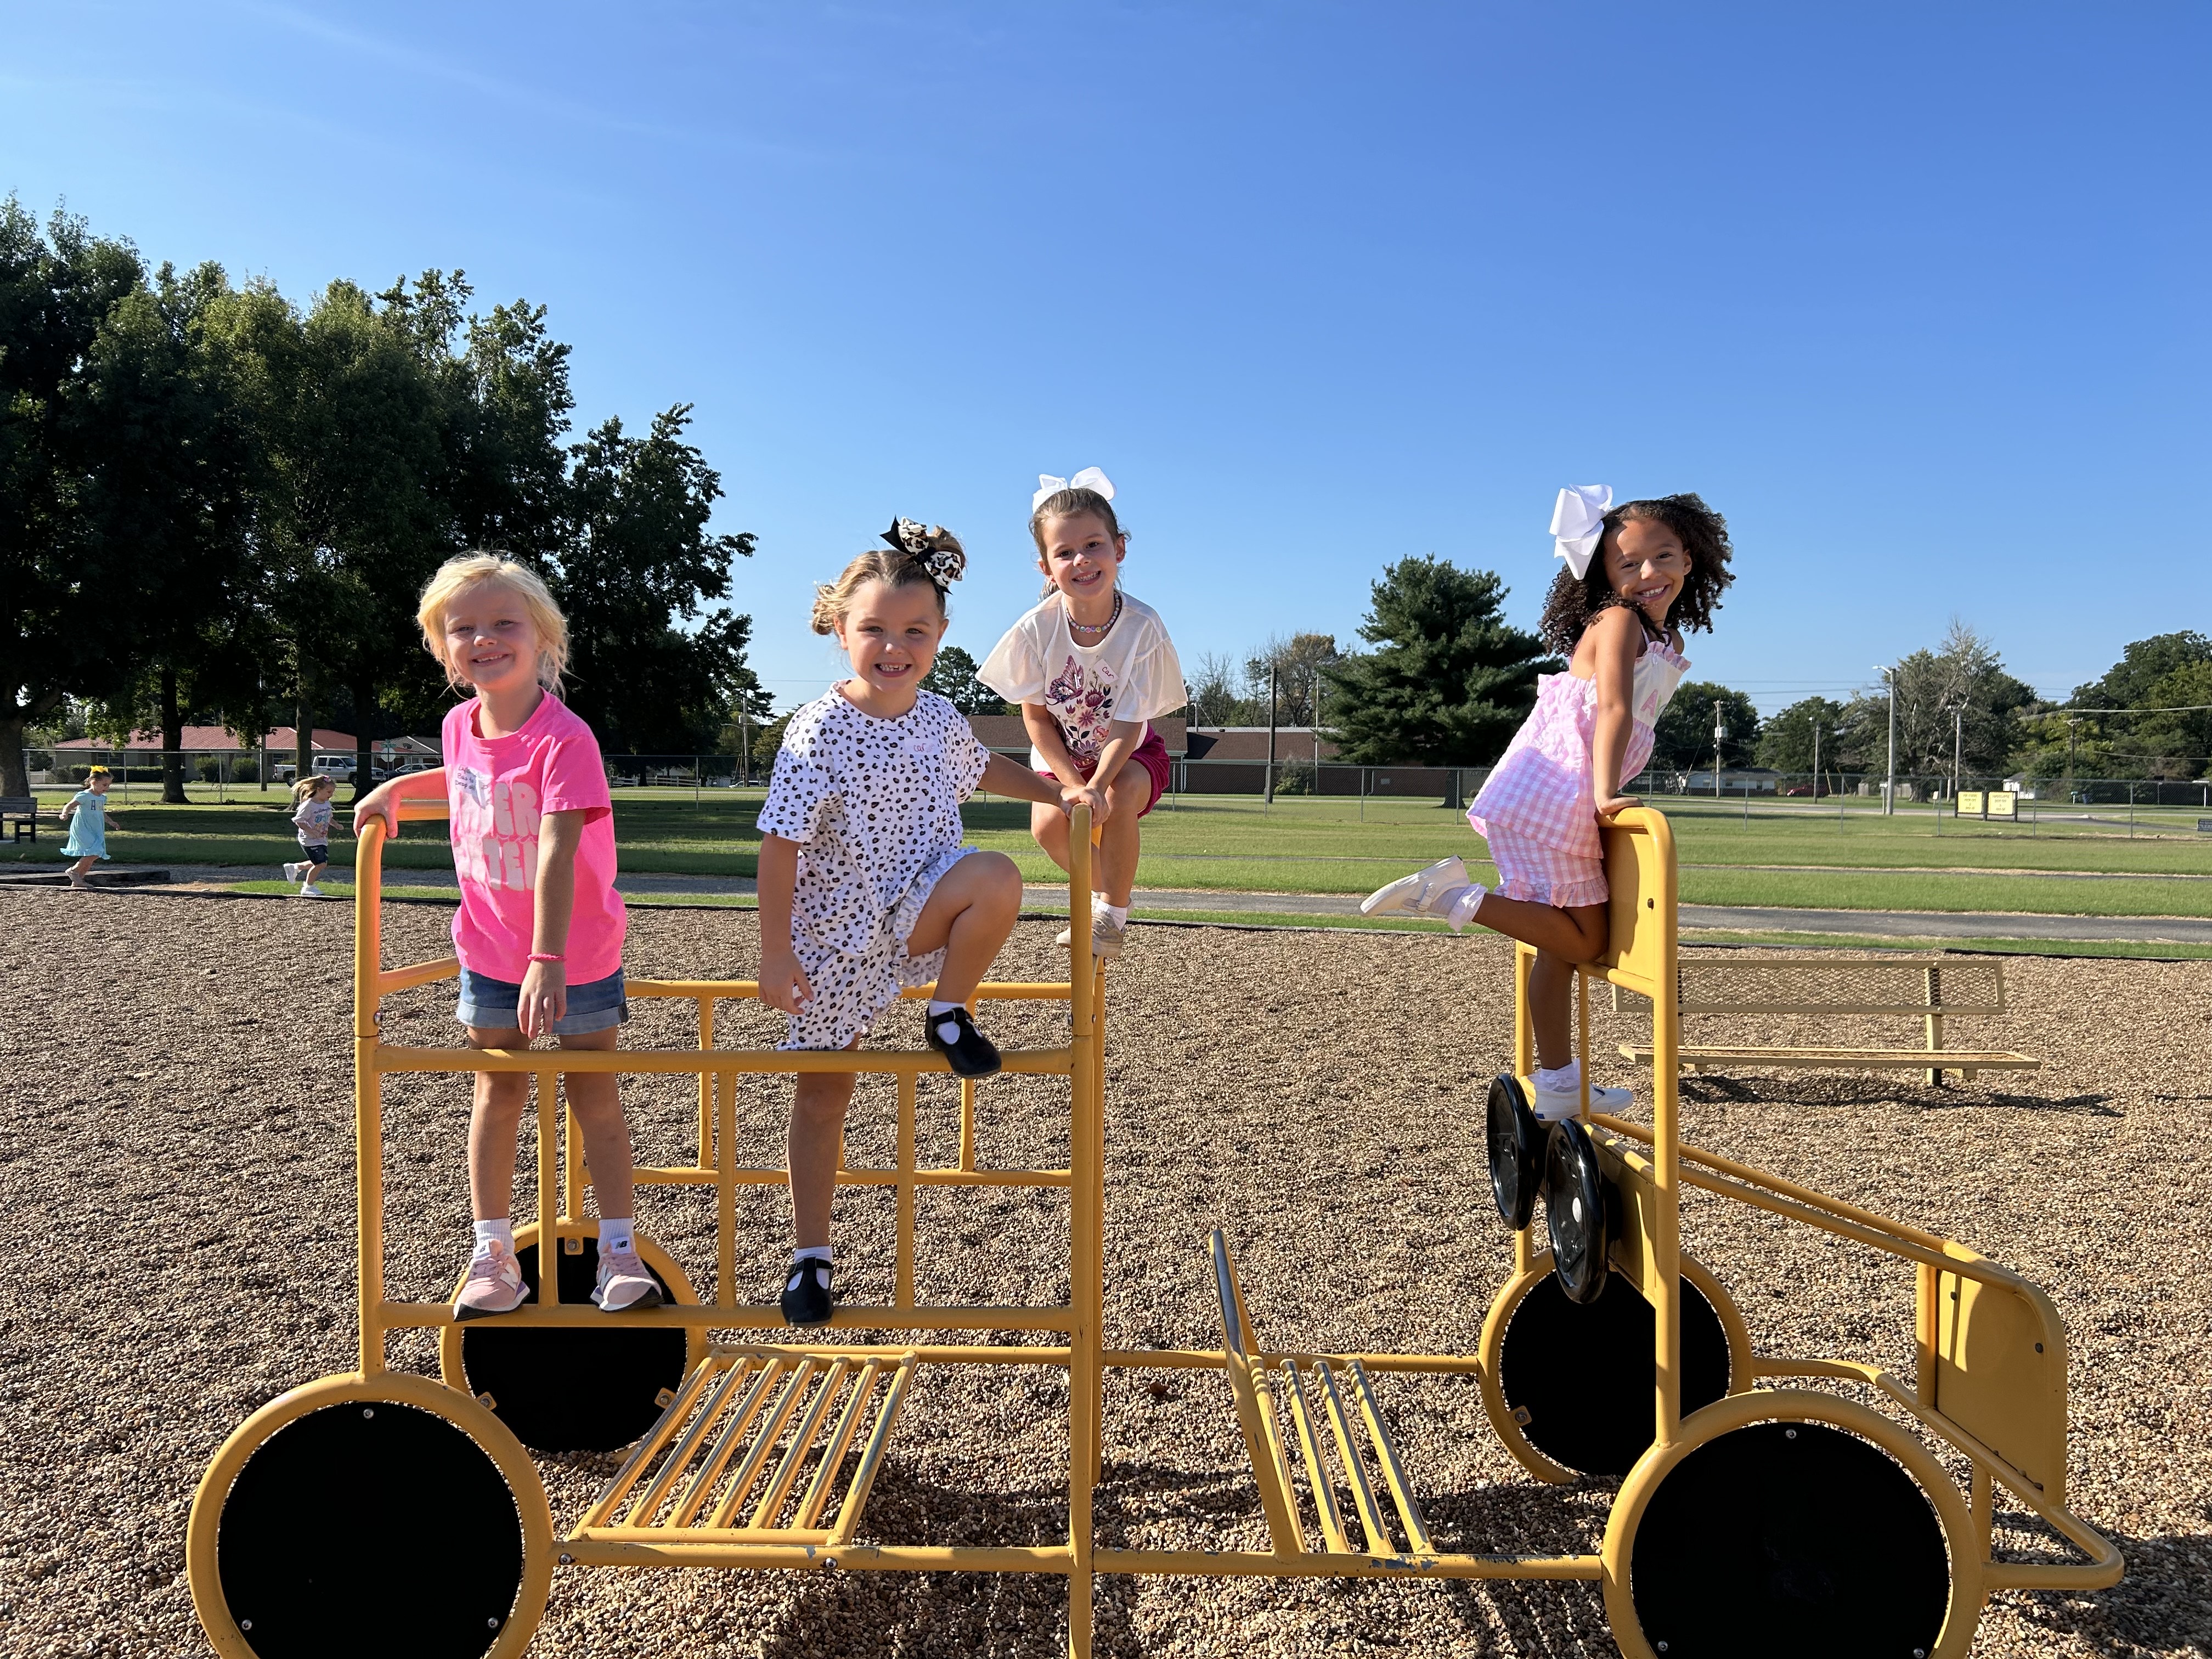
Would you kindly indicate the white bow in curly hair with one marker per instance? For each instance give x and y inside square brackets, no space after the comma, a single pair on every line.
[1578,523]
[1089,479]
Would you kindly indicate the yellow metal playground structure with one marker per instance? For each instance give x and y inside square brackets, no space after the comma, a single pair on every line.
[382,1513]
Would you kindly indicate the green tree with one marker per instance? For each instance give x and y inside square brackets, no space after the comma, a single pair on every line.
[952,677]
[1295,666]
[2163,676]
[637,555]
[1449,679]
[1216,696]
[1786,741]
[1682,737]
[58,577]
[2130,682]
[1962,677]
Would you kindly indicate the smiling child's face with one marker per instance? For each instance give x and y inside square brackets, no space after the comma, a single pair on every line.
[1080,557]
[1647,565]
[489,639]
[891,634]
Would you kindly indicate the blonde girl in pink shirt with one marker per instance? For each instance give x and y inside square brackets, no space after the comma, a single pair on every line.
[1637,575]
[539,930]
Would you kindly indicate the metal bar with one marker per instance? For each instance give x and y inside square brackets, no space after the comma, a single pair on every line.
[902,1256]
[924,1353]
[648,1503]
[1379,1542]
[745,990]
[802,1376]
[1386,1453]
[1524,1032]
[1277,1502]
[367,1095]
[802,1442]
[573,1171]
[1317,1475]
[864,1477]
[430,1315]
[1582,1038]
[840,1441]
[1182,1359]
[706,1085]
[420,973]
[726,1193]
[886,1062]
[1239,1563]
[726,1443]
[679,1176]
[967,1123]
[650,1550]
[1667,1152]
[549,1187]
[655,1439]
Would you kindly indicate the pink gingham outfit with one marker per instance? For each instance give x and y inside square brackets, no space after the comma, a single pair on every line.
[1538,811]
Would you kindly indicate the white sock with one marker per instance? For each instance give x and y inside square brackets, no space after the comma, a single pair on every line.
[1464,905]
[807,1253]
[1119,912]
[947,1031]
[502,1230]
[1567,1080]
[615,1233]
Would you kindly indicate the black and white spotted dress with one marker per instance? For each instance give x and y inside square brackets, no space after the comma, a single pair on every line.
[874,805]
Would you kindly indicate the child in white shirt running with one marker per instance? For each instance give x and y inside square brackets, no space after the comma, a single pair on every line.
[311,813]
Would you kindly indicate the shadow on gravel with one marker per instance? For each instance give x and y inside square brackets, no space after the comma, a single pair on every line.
[2164,1605]
[1828,1093]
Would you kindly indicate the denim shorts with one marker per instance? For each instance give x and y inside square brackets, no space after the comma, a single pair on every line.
[317,854]
[496,1004]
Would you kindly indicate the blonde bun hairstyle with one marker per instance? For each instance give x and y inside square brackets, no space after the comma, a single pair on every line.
[913,555]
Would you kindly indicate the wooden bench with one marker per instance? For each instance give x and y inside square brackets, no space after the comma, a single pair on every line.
[16,811]
[1933,992]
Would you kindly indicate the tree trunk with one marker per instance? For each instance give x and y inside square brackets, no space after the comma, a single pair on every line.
[173,742]
[303,734]
[364,700]
[15,776]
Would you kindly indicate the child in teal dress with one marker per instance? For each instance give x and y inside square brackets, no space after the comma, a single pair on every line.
[89,821]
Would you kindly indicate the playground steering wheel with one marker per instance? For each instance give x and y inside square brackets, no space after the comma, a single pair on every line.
[1517,1151]
[1574,1212]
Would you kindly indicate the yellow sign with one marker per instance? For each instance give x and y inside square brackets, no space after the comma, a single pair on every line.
[1971,804]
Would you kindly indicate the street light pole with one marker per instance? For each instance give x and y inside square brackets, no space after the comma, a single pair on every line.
[1720,733]
[1889,789]
[1958,744]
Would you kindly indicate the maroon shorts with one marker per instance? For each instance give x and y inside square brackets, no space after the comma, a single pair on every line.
[1151,754]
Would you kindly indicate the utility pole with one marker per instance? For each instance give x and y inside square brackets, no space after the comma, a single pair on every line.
[1720,732]
[1889,789]
[1269,794]
[1958,744]
[1816,761]
[2071,724]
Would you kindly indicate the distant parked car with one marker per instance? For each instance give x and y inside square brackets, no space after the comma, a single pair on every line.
[1800,789]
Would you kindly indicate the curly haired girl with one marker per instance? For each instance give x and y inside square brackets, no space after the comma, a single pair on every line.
[1590,732]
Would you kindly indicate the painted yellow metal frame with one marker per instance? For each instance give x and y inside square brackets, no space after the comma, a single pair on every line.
[746,1464]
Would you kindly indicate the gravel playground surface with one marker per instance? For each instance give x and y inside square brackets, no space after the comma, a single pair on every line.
[176,1172]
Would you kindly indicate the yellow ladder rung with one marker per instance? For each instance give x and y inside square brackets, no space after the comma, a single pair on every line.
[1317,1475]
[841,1440]
[802,1441]
[655,1439]
[749,1471]
[864,1477]
[1386,1453]
[1355,1472]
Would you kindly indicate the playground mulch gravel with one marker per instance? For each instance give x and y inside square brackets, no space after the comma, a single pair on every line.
[176,1176]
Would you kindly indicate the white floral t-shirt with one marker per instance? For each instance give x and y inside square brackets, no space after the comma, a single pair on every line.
[874,805]
[1133,674]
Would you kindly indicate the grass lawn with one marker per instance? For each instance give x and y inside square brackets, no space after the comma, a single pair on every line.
[1915,860]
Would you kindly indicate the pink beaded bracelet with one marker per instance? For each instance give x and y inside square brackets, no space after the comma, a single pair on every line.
[545,956]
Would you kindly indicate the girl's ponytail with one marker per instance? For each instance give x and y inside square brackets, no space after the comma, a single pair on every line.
[914,555]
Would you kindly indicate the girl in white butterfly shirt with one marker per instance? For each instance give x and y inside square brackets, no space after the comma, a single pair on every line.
[1091,667]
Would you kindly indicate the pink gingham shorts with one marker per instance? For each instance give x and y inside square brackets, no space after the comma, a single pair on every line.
[1544,875]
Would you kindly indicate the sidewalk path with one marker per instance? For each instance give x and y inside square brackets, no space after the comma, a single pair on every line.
[1888,924]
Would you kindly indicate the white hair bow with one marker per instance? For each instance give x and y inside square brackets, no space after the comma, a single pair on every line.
[1578,523]
[1089,479]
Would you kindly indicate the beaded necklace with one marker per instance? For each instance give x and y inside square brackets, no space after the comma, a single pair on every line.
[1097,630]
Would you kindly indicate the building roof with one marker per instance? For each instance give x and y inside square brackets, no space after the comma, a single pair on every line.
[1250,742]
[202,739]
[1006,731]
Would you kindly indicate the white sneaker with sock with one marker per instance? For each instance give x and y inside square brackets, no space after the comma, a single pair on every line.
[1442,890]
[1558,1095]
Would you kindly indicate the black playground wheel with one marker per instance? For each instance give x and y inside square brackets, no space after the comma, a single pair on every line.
[365,1525]
[1582,1372]
[578,1388]
[1517,1151]
[1575,1212]
[1790,1537]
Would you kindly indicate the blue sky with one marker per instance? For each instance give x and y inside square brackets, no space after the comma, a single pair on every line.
[1913,293]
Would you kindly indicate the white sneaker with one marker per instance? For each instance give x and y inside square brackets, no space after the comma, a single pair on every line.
[1107,936]
[294,871]
[1558,1105]
[308,889]
[1424,893]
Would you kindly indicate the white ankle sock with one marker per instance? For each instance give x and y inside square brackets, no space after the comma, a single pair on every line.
[1566,1080]
[805,1253]
[947,1031]
[1119,912]
[1464,905]
[502,1230]
[615,1233]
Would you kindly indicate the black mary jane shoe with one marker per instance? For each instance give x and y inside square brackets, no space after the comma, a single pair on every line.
[807,1300]
[969,1054]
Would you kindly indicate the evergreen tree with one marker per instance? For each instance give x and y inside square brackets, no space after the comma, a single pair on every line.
[952,677]
[1448,681]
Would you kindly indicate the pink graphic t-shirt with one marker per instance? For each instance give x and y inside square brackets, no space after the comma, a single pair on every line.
[497,789]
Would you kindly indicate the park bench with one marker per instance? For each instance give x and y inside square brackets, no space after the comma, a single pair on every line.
[18,811]
[1932,991]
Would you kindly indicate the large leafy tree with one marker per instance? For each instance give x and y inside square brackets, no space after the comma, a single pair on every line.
[636,559]
[1294,667]
[2168,677]
[1682,737]
[1788,743]
[1958,692]
[58,576]
[1449,679]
